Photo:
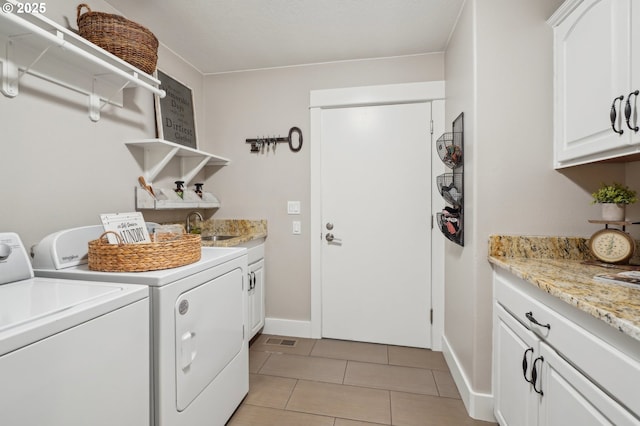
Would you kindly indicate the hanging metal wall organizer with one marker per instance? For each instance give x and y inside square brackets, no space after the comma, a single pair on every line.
[451,184]
[258,144]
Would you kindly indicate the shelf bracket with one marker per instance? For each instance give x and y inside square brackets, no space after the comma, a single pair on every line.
[156,160]
[94,107]
[97,102]
[188,163]
[10,73]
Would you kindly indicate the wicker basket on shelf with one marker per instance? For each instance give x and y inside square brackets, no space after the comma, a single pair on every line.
[141,257]
[126,39]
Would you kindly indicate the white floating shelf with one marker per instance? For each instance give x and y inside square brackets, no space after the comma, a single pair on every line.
[158,153]
[37,46]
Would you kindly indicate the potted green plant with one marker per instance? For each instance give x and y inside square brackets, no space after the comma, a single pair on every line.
[614,199]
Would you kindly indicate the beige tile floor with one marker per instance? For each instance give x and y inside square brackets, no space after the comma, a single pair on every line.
[338,383]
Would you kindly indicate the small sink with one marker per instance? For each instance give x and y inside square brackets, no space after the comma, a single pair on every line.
[217,237]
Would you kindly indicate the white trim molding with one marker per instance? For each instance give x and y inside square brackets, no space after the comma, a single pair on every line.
[287,327]
[377,95]
[478,405]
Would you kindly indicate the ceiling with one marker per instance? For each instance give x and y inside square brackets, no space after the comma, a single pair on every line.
[217,36]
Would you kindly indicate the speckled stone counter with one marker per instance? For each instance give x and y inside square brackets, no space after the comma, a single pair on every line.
[555,265]
[243,230]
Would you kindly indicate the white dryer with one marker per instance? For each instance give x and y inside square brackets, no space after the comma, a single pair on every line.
[72,353]
[199,325]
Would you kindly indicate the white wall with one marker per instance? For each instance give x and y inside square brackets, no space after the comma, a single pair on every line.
[499,72]
[58,168]
[267,103]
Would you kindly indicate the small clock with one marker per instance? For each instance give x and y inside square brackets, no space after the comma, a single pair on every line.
[612,245]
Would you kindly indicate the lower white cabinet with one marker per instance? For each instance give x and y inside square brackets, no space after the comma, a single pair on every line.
[255,252]
[256,297]
[570,397]
[550,370]
[515,401]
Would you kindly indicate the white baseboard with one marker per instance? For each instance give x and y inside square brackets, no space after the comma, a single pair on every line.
[285,327]
[478,405]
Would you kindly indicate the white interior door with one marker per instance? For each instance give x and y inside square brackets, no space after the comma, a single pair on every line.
[376,204]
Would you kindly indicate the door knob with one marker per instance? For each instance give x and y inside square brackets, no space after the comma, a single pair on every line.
[332,239]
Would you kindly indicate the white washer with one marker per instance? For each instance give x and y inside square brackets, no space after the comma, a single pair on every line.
[199,325]
[72,353]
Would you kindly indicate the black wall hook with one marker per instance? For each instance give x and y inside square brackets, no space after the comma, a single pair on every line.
[258,143]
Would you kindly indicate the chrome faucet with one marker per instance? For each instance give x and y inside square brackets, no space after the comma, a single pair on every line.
[189,220]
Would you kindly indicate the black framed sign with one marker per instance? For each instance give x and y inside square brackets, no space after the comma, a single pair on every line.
[175,113]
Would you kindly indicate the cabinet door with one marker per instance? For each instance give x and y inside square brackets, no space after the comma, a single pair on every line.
[635,70]
[570,398]
[515,401]
[256,297]
[592,68]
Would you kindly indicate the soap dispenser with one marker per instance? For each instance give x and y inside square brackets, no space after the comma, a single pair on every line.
[179,188]
[199,189]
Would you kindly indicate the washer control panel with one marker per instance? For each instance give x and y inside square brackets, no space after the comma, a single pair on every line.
[14,261]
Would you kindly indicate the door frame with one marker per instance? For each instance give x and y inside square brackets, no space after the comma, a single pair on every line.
[433,91]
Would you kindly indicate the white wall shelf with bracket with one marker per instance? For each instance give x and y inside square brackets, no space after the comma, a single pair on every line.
[158,153]
[37,46]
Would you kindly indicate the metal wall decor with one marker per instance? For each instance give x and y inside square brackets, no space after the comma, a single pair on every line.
[451,184]
[258,144]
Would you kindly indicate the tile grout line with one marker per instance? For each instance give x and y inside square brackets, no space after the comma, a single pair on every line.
[388,357]
[390,409]
[290,395]
[263,363]
[436,383]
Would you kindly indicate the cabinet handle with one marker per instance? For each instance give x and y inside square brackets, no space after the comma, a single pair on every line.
[530,317]
[613,114]
[534,375]
[627,110]
[525,364]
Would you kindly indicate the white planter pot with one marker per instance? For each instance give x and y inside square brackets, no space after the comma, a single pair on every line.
[613,212]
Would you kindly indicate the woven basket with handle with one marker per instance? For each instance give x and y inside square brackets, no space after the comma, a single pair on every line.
[126,39]
[141,257]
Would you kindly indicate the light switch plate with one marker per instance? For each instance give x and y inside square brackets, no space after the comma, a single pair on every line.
[296,227]
[293,207]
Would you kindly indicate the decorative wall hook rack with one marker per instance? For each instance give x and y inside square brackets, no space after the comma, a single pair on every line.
[258,143]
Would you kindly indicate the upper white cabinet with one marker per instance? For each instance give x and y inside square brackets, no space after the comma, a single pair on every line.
[596,78]
[35,45]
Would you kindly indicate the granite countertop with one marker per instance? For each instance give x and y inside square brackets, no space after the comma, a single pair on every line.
[243,230]
[556,266]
